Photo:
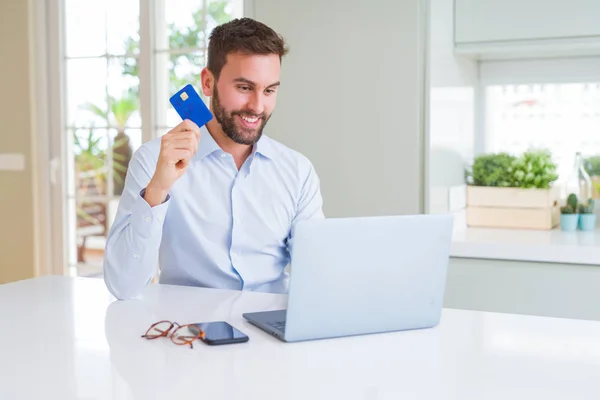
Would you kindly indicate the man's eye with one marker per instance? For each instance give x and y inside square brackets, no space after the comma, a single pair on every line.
[244,88]
[270,91]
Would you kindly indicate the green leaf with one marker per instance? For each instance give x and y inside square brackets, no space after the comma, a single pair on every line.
[94,109]
[533,169]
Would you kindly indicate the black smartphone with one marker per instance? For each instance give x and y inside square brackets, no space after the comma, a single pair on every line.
[220,332]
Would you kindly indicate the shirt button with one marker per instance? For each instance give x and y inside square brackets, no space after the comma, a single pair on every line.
[148,219]
[223,155]
[136,256]
[158,218]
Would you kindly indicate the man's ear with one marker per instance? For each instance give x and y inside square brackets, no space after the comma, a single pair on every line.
[207,80]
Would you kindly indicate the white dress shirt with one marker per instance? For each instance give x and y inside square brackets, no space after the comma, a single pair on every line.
[219,227]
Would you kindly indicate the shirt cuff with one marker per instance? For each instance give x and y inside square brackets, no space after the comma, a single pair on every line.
[143,193]
[145,219]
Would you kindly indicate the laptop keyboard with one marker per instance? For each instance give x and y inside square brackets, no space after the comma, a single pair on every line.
[280,325]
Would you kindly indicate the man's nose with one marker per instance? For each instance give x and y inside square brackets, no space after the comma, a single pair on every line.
[256,103]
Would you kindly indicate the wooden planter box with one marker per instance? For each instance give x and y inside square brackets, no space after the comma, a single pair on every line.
[492,207]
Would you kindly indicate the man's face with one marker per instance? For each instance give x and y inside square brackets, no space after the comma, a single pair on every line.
[244,96]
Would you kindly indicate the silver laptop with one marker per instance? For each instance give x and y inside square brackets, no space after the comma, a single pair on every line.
[354,276]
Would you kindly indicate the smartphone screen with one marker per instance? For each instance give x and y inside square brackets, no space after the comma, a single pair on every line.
[220,332]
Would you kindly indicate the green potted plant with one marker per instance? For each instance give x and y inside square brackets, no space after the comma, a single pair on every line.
[507,191]
[491,170]
[569,217]
[587,217]
[533,170]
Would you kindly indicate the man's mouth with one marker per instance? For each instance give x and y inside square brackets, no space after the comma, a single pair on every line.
[249,121]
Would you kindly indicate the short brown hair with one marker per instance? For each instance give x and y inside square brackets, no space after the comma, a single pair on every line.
[245,36]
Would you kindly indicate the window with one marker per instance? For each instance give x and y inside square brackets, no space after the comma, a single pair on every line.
[181,41]
[102,114]
[562,117]
[549,103]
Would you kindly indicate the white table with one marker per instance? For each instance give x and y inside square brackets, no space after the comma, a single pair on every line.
[64,338]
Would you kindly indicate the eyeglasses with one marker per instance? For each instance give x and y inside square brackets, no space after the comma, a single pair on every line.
[182,335]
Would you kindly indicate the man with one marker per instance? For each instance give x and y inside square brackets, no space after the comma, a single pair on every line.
[215,206]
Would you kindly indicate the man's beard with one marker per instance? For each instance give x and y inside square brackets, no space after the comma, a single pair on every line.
[238,134]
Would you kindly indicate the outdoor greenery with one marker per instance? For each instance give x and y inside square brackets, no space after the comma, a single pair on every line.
[90,156]
[192,37]
[121,111]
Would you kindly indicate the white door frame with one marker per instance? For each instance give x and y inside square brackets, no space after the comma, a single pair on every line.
[46,77]
[52,160]
[58,159]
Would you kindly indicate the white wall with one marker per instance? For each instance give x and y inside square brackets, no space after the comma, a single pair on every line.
[452,115]
[16,113]
[351,99]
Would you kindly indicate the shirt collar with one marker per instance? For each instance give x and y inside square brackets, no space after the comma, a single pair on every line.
[264,147]
[207,145]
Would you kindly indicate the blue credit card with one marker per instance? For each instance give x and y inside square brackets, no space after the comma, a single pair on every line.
[189,105]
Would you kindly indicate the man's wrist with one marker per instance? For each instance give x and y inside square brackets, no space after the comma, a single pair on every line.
[154,195]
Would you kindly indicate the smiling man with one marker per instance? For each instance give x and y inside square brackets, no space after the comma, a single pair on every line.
[215,206]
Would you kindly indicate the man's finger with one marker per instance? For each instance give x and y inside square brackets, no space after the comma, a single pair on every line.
[189,125]
[184,142]
[177,155]
[176,139]
[183,133]
[183,163]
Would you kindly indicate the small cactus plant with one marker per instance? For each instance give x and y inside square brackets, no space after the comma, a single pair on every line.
[587,208]
[572,205]
[568,210]
[572,200]
[587,217]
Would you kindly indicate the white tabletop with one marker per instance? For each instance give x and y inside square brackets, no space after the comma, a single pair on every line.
[64,338]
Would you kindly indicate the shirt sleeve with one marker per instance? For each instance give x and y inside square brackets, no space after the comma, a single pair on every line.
[131,253]
[310,204]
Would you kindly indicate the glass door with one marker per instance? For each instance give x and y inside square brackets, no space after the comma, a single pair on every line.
[103,121]
[104,52]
